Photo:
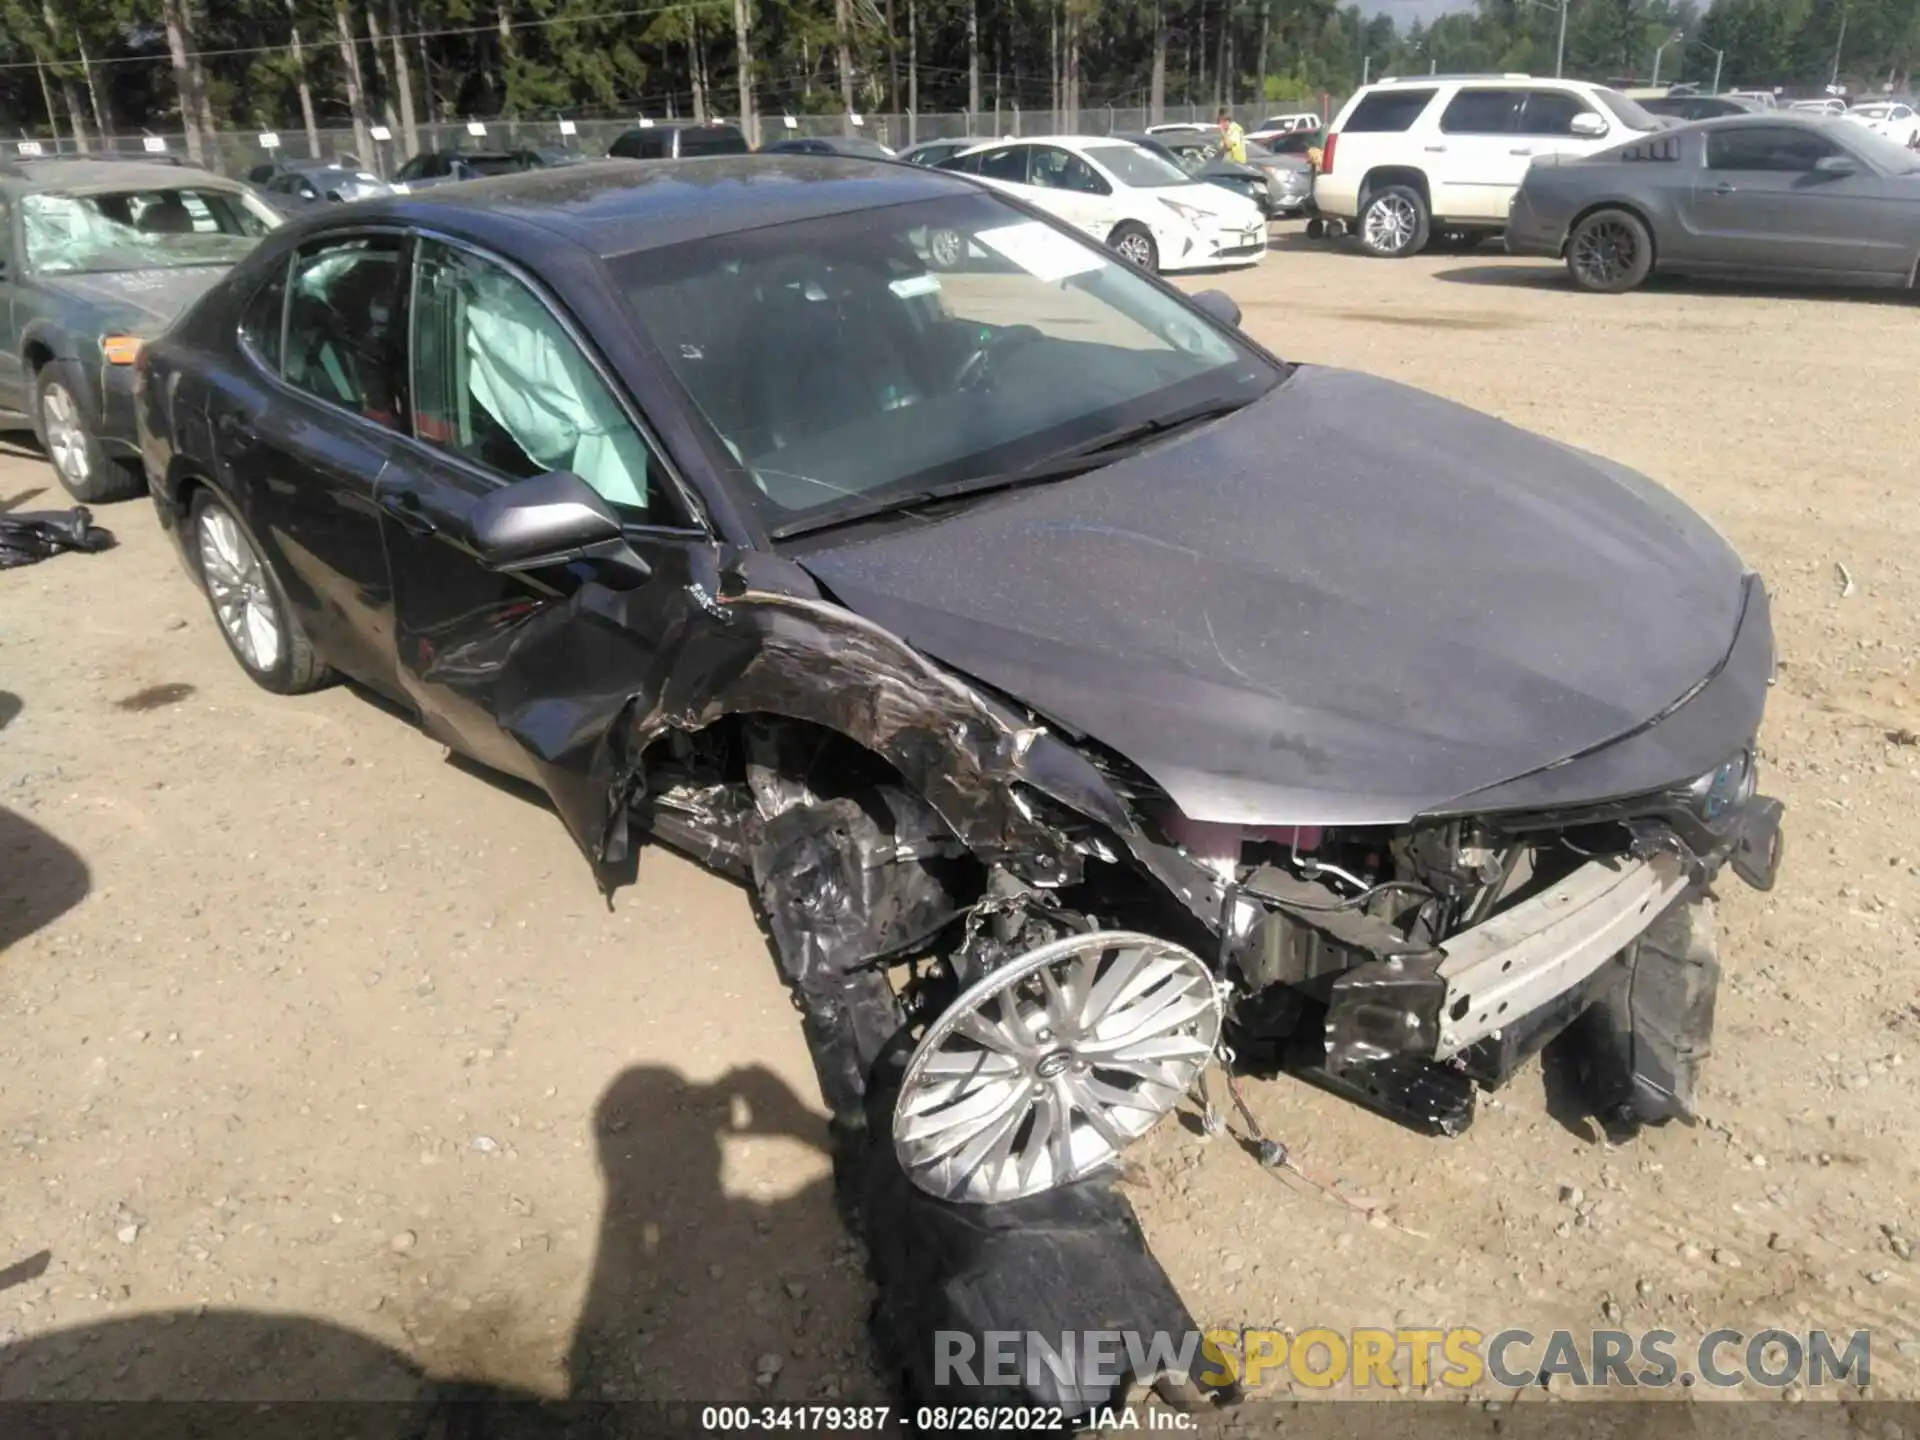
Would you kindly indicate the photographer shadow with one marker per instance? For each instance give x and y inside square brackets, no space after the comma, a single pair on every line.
[696,1294]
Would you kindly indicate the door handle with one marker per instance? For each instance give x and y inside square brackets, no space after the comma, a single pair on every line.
[1436,149]
[1527,151]
[1723,188]
[236,436]
[404,509]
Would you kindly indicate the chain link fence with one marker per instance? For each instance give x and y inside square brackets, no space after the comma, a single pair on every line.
[236,153]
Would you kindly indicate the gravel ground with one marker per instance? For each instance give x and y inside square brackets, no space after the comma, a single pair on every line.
[301,1019]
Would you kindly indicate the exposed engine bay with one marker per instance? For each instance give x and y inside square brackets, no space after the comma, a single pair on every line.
[1038,983]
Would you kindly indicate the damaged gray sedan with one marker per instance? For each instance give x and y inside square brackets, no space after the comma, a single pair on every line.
[1080,688]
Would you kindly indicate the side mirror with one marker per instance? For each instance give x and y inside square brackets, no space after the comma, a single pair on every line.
[1835,165]
[550,519]
[1219,305]
[1589,125]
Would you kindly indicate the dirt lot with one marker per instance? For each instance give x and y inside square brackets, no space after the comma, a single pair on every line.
[301,1019]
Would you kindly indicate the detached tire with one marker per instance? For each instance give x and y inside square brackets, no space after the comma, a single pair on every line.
[249,604]
[1609,252]
[1133,242]
[1394,222]
[60,421]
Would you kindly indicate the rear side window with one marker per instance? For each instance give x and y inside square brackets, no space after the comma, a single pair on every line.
[638,145]
[344,336]
[1009,164]
[1388,110]
[1550,112]
[1480,112]
[1779,148]
[712,140]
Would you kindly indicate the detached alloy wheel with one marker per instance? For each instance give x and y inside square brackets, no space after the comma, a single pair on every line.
[1394,222]
[1133,243]
[85,470]
[946,249]
[1609,252]
[249,604]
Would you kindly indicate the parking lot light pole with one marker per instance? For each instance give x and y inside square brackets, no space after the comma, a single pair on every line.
[1673,39]
[1719,58]
[1560,53]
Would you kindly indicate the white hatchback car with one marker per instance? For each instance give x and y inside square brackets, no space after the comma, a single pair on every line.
[1147,209]
[1408,158]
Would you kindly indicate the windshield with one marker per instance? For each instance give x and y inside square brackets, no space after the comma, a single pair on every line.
[1141,169]
[842,371]
[1872,112]
[141,229]
[1629,113]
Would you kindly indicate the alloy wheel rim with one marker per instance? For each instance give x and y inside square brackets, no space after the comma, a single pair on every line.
[946,248]
[66,439]
[237,585]
[1604,252]
[1389,223]
[1136,250]
[1047,1068]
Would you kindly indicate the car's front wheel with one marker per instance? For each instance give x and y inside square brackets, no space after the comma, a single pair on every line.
[250,605]
[1394,222]
[85,469]
[1133,243]
[1609,252]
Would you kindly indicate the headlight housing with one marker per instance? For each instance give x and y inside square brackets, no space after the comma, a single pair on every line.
[1191,214]
[1726,788]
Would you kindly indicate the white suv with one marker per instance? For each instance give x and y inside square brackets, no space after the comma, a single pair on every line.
[1408,157]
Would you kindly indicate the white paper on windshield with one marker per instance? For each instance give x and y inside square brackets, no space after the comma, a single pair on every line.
[474,127]
[1040,250]
[381,132]
[909,286]
[567,127]
[156,144]
[269,140]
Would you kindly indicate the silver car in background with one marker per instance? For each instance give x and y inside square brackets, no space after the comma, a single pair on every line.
[1771,194]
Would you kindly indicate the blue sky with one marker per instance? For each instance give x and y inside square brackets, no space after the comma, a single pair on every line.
[1405,12]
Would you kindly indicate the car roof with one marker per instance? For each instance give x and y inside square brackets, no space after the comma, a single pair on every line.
[96,176]
[618,207]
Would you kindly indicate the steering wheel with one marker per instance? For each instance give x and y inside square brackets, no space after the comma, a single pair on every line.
[976,371]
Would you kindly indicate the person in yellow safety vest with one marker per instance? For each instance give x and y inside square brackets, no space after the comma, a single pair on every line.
[1233,140]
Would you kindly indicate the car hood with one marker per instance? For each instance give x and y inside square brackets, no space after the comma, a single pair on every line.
[144,301]
[1348,603]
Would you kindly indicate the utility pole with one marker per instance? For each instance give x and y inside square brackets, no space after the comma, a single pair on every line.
[1834,79]
[1560,55]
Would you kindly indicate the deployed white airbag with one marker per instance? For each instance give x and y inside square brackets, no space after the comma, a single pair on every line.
[533,381]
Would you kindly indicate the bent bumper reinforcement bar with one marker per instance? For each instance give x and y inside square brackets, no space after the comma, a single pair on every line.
[1523,958]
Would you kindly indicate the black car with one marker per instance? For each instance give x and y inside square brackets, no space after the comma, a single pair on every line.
[933,152]
[678,140]
[1800,197]
[1698,107]
[96,256]
[1069,676]
[860,147]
